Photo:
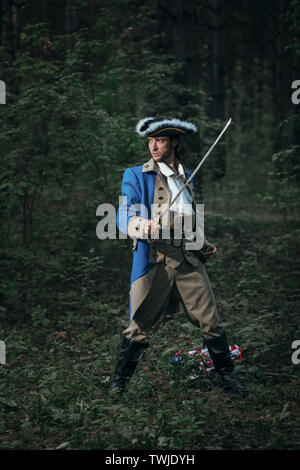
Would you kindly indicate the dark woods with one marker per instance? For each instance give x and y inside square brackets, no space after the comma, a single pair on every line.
[79,75]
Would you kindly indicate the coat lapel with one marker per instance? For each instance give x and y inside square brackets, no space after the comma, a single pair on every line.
[161,180]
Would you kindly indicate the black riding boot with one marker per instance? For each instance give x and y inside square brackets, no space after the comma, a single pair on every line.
[129,355]
[220,355]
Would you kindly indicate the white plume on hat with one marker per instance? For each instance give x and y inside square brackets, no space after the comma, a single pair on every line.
[150,125]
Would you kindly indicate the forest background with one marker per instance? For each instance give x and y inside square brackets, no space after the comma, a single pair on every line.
[78,76]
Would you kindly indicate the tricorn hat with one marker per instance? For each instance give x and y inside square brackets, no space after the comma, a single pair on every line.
[156,127]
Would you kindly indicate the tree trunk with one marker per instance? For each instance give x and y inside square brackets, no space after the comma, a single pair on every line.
[215,79]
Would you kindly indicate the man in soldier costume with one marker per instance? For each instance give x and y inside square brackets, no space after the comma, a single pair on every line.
[164,268]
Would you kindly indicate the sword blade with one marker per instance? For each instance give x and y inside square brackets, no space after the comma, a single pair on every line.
[198,167]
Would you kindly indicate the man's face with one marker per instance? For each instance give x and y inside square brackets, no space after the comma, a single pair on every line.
[161,148]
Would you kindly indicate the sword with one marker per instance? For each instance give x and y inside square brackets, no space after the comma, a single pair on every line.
[194,172]
[197,168]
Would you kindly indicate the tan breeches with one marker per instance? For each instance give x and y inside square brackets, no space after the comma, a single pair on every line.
[195,292]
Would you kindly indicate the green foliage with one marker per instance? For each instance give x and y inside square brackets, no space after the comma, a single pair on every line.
[66,135]
[60,359]
[65,142]
[284,190]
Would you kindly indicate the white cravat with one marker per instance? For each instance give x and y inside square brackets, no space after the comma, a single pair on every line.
[182,208]
[183,204]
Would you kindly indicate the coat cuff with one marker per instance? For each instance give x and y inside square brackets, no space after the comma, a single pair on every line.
[136,227]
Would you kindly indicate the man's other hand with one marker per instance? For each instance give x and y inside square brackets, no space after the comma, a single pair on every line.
[208,249]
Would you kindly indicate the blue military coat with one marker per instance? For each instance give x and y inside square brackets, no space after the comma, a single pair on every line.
[141,185]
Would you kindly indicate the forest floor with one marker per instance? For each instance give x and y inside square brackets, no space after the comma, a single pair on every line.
[60,357]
